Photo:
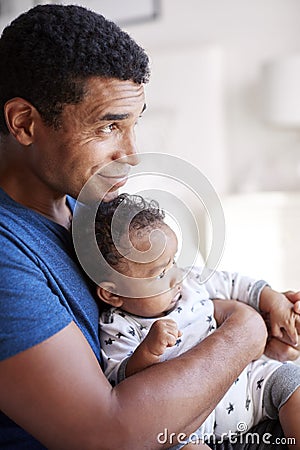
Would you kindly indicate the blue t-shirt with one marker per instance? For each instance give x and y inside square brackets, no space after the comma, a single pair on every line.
[42,289]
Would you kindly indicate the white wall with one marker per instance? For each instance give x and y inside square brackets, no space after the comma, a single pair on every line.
[262,236]
[247,33]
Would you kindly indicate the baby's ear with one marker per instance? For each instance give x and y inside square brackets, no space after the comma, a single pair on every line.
[106,293]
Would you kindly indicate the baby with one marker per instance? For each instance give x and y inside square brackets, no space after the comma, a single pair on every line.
[157,311]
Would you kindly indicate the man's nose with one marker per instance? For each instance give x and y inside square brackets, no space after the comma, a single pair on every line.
[133,159]
[129,149]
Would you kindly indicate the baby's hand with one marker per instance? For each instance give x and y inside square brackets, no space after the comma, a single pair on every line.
[162,334]
[279,312]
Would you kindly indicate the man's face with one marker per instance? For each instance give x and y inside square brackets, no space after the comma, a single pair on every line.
[93,136]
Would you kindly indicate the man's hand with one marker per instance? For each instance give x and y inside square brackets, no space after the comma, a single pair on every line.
[282,316]
[162,334]
[279,313]
[277,349]
[294,297]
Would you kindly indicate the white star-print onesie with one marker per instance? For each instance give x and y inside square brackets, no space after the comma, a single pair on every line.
[122,332]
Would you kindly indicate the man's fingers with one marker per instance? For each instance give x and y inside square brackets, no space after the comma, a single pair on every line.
[297,306]
[292,333]
[279,350]
[276,331]
[293,296]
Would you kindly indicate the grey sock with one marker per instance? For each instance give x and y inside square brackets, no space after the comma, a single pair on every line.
[279,387]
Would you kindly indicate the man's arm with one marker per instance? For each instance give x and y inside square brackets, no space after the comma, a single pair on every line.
[58,393]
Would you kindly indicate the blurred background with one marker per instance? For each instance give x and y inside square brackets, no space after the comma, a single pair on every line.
[225,95]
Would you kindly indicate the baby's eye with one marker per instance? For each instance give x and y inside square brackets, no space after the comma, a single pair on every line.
[161,275]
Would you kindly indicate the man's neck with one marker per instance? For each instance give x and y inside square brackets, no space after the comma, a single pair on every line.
[29,191]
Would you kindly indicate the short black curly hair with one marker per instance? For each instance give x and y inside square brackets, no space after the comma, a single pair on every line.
[145,214]
[48,53]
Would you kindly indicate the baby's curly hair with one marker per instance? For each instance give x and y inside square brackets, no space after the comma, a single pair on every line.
[49,52]
[145,214]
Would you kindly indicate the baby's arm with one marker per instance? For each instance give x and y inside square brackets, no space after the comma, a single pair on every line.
[280,310]
[162,334]
[235,286]
[126,351]
[277,309]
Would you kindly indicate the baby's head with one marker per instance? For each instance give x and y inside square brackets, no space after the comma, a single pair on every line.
[135,241]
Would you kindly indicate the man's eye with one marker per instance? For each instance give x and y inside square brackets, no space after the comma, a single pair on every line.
[108,128]
[137,121]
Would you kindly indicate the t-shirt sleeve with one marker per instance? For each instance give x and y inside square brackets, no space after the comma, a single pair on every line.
[30,312]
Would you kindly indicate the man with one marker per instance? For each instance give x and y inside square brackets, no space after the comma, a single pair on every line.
[71,92]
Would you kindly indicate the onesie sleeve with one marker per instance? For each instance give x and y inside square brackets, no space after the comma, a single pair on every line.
[119,337]
[233,285]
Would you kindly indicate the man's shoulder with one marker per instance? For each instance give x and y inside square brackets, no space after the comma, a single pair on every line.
[13,215]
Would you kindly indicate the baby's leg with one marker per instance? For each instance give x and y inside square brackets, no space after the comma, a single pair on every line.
[234,413]
[195,446]
[283,395]
[289,416]
[191,445]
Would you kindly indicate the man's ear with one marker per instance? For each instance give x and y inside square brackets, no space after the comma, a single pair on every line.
[20,117]
[106,293]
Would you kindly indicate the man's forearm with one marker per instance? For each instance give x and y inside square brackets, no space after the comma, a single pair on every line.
[186,389]
[70,404]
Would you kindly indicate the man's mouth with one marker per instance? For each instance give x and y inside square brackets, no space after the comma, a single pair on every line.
[115,182]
